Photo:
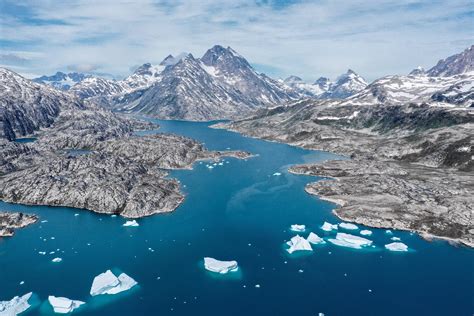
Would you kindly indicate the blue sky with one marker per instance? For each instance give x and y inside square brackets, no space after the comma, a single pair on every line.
[279,37]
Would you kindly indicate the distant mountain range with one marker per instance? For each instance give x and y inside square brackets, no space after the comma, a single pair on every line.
[223,85]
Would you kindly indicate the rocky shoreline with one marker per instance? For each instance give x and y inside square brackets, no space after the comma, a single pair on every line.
[403,173]
[9,221]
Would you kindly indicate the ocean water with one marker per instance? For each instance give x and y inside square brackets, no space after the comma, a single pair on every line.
[238,211]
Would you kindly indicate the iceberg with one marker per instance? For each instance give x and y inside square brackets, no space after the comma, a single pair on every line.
[132,223]
[397,246]
[298,243]
[314,239]
[348,226]
[395,238]
[63,305]
[298,228]
[328,226]
[219,266]
[15,306]
[57,260]
[366,232]
[108,283]
[277,174]
[351,241]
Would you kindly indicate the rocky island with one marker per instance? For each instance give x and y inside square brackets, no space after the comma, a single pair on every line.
[9,221]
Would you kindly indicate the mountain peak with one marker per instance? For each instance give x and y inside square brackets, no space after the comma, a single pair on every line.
[418,71]
[292,79]
[454,65]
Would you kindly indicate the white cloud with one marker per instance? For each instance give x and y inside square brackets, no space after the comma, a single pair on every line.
[308,38]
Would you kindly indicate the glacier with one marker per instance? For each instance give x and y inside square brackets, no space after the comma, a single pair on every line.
[108,283]
[298,243]
[219,266]
[63,305]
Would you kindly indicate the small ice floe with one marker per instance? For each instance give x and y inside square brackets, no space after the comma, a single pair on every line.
[44,221]
[277,174]
[329,227]
[388,231]
[314,239]
[396,246]
[257,286]
[42,252]
[298,228]
[219,266]
[113,215]
[210,167]
[348,226]
[366,232]
[22,282]
[351,241]
[108,283]
[221,163]
[132,223]
[16,305]
[77,214]
[63,305]
[395,238]
[57,260]
[298,243]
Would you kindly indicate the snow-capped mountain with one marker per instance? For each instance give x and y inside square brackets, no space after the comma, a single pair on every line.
[61,80]
[221,84]
[97,87]
[26,106]
[455,64]
[418,89]
[345,85]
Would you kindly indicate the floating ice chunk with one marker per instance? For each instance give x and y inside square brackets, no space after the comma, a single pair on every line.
[210,167]
[15,306]
[351,241]
[56,260]
[44,221]
[219,266]
[298,243]
[63,305]
[348,226]
[328,226]
[388,231]
[108,283]
[397,246]
[42,252]
[113,215]
[395,238]
[277,174]
[77,214]
[132,223]
[314,239]
[298,228]
[366,232]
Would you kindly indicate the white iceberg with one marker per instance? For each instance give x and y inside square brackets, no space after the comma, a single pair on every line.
[108,283]
[298,228]
[57,260]
[277,174]
[395,238]
[397,246]
[219,266]
[328,227]
[63,305]
[298,243]
[348,226]
[132,223]
[366,232]
[314,239]
[15,306]
[351,241]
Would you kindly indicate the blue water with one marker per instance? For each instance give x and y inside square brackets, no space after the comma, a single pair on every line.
[26,140]
[235,211]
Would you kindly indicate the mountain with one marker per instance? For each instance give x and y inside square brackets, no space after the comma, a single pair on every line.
[26,106]
[61,80]
[454,65]
[220,85]
[345,85]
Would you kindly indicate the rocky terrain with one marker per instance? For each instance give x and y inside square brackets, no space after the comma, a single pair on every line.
[88,157]
[9,221]
[411,161]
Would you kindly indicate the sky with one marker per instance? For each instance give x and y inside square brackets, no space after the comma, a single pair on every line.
[278,37]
